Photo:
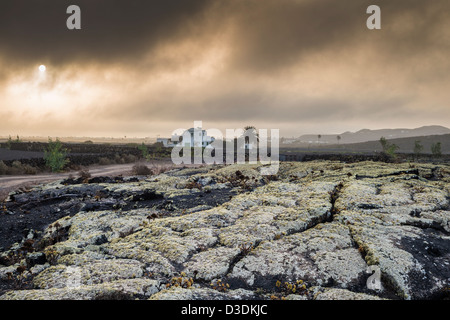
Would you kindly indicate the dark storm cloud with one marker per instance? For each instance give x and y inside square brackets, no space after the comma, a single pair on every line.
[112,31]
[273,35]
[276,34]
[266,34]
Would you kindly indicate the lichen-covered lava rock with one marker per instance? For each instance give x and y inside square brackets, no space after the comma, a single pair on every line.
[316,230]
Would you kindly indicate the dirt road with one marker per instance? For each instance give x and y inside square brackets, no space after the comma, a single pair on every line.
[10,183]
[14,181]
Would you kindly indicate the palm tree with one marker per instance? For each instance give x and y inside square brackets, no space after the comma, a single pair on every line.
[253,132]
[338,139]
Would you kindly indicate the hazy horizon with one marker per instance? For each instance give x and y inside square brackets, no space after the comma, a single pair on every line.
[153,138]
[147,68]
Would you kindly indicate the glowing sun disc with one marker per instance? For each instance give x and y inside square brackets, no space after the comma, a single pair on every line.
[42,68]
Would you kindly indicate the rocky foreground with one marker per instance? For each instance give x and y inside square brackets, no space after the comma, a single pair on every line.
[316,230]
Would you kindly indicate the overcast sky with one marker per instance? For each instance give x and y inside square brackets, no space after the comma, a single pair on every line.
[146,68]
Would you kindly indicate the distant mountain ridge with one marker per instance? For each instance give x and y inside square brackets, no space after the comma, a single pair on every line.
[365,135]
[406,145]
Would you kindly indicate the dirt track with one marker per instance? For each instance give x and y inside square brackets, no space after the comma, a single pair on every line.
[14,181]
[10,183]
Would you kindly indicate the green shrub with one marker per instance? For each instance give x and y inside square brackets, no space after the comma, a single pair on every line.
[436,149]
[4,169]
[389,148]
[144,150]
[418,148]
[55,155]
[384,143]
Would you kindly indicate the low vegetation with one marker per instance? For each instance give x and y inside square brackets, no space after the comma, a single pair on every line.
[182,281]
[55,155]
[418,148]
[10,141]
[388,148]
[436,149]
[140,169]
[17,168]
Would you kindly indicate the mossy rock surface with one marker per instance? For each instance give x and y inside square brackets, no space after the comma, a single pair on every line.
[316,230]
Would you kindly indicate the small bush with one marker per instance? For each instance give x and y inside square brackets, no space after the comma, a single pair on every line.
[104,161]
[17,164]
[27,169]
[219,285]
[144,150]
[84,174]
[436,149]
[388,148]
[4,169]
[418,148]
[16,168]
[141,170]
[287,288]
[129,158]
[118,159]
[183,281]
[55,155]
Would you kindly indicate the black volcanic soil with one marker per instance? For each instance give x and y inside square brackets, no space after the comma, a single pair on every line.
[32,211]
[8,155]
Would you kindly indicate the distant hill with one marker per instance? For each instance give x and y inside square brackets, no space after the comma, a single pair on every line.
[406,144]
[365,135]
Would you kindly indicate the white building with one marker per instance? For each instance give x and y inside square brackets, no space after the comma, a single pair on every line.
[197,138]
[190,138]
